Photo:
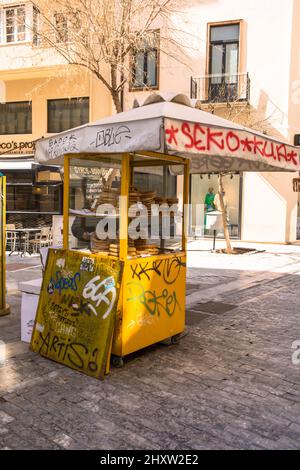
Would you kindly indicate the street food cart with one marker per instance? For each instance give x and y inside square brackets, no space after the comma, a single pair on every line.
[152,292]
[124,161]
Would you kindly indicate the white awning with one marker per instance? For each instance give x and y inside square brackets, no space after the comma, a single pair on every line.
[169,124]
[13,165]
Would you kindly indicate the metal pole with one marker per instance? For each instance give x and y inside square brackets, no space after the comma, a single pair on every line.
[4,308]
[215,236]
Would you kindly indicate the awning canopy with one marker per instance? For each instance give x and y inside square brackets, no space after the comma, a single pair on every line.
[169,124]
[16,165]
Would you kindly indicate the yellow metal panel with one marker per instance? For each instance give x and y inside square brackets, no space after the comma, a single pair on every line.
[4,309]
[125,178]
[66,202]
[153,306]
[76,312]
[186,191]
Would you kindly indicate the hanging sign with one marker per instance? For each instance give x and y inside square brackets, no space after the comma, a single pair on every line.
[77,310]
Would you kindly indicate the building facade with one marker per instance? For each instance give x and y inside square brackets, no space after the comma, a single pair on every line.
[39,96]
[240,60]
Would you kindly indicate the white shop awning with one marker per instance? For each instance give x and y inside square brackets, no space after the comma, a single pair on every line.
[169,124]
[16,165]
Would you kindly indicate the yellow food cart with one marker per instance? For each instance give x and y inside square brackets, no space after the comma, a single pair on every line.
[115,170]
[123,191]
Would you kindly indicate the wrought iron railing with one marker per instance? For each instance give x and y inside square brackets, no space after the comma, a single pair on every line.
[224,88]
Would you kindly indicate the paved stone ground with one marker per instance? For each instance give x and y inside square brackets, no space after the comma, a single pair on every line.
[230,383]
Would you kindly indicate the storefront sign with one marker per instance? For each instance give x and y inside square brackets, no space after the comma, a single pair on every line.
[13,147]
[77,310]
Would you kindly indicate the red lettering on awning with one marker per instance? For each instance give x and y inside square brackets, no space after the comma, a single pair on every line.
[231,136]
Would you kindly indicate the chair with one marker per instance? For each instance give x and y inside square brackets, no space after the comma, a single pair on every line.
[11,237]
[43,238]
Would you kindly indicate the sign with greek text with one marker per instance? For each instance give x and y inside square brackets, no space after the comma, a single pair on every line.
[77,310]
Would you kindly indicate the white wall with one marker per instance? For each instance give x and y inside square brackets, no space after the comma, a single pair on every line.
[269,204]
[269,208]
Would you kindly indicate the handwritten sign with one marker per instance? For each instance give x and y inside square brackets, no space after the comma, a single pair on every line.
[77,310]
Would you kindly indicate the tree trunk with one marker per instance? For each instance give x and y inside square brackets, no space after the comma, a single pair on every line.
[224,216]
[117,102]
[115,94]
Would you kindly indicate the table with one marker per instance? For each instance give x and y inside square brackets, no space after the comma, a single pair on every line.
[22,248]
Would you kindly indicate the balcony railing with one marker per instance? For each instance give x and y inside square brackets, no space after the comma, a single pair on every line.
[224,88]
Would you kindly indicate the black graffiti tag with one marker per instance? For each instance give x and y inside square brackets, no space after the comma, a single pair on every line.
[108,137]
[168,269]
[77,354]
[61,145]
[145,269]
[172,268]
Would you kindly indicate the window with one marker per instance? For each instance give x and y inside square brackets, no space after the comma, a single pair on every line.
[16,118]
[19,23]
[64,114]
[61,27]
[223,63]
[15,24]
[145,64]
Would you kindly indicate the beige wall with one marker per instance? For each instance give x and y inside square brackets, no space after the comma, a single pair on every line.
[61,85]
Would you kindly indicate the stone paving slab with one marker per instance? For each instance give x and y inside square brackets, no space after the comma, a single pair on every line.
[229,383]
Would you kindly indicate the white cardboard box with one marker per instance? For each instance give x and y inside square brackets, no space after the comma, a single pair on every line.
[30,299]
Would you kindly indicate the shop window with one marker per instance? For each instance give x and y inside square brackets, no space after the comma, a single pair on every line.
[204,190]
[64,114]
[22,196]
[16,118]
[145,64]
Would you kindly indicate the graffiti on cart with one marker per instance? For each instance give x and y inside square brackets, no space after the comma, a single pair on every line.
[77,309]
[110,136]
[169,270]
[156,304]
[59,146]
[77,354]
[98,292]
[63,282]
[200,138]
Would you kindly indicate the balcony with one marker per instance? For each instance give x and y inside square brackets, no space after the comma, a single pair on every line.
[221,89]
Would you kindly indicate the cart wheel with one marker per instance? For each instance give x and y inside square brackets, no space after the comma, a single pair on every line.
[175,339]
[117,362]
